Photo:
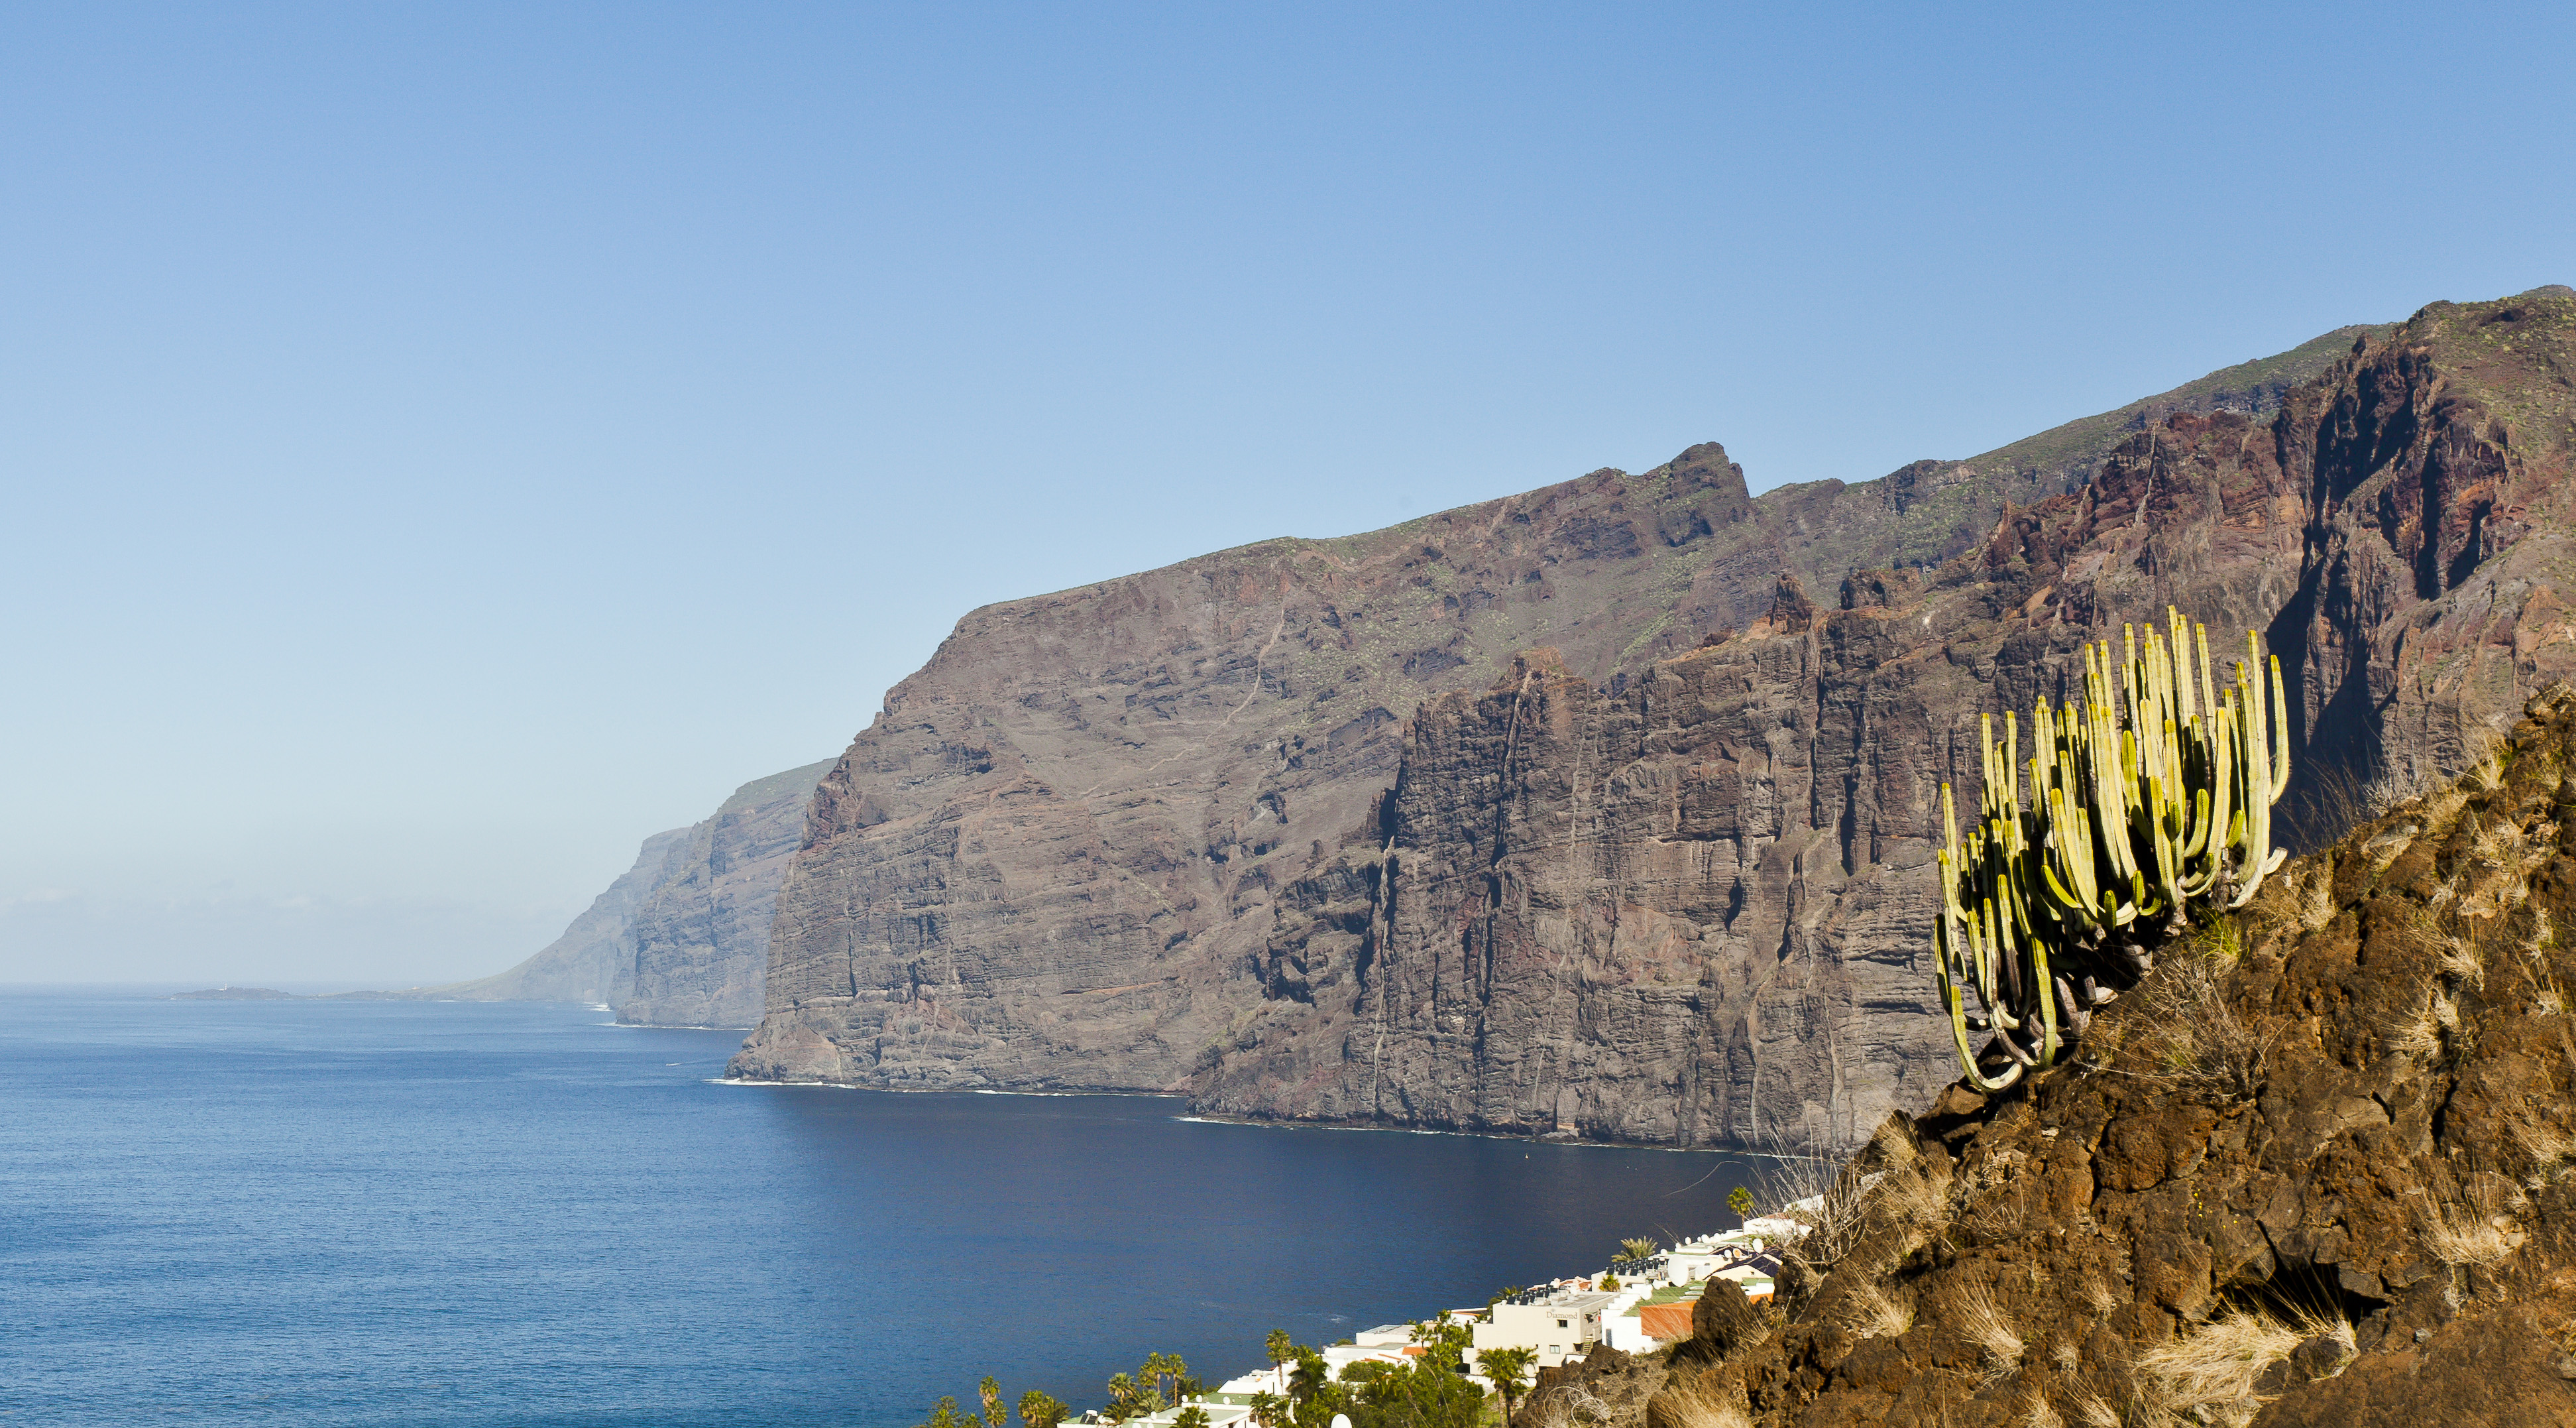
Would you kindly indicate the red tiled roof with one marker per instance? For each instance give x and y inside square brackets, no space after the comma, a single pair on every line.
[1667,1321]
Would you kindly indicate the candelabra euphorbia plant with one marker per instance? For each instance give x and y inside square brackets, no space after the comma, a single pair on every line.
[2151,797]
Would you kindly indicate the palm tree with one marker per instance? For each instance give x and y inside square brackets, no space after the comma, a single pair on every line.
[1040,1409]
[1508,1371]
[1309,1377]
[1265,1408]
[995,1414]
[1640,1247]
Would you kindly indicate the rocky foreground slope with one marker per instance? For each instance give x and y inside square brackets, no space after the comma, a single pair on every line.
[2316,1170]
[1125,836]
[1694,906]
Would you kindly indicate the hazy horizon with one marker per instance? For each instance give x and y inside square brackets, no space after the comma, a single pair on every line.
[452,445]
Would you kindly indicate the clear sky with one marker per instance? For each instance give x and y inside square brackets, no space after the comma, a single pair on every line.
[445,444]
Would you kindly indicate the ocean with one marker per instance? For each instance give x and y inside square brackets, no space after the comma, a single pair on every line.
[315,1212]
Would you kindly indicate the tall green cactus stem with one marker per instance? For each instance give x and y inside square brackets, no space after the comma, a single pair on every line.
[2151,797]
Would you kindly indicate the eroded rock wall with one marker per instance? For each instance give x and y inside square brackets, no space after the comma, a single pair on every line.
[1292,828]
[1694,911]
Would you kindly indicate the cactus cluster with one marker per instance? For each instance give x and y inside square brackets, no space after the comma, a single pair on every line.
[2151,797]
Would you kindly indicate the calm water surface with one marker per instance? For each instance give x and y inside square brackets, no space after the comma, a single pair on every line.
[354,1213]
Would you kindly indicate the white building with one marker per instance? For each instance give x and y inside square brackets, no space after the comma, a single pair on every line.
[1558,1324]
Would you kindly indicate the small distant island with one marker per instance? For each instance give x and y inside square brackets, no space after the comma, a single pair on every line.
[233,994]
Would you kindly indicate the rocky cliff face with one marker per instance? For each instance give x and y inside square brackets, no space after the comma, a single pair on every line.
[700,939]
[1142,835]
[1049,862]
[1693,910]
[2316,1170]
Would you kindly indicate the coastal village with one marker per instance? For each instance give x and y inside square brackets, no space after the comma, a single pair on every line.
[1635,1304]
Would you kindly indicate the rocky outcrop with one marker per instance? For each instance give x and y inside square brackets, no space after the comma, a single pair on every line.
[1299,828]
[700,939]
[2315,1170]
[1693,909]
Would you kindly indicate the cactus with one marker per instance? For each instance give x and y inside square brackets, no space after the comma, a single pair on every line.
[2049,911]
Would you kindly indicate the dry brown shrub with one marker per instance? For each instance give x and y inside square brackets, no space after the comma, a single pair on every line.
[1573,1406]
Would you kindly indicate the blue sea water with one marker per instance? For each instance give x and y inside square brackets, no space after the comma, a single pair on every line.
[430,1214]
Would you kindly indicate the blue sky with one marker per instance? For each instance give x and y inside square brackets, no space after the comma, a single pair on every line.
[445,444]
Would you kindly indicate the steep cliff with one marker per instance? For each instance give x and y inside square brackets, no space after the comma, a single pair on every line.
[701,938]
[1099,841]
[1693,908]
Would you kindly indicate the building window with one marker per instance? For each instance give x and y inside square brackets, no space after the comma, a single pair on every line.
[1560,1323]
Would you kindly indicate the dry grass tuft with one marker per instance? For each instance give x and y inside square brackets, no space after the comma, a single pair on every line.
[2067,1356]
[2496,841]
[1894,1143]
[2192,1038]
[2093,1412]
[2098,1295]
[2419,1032]
[2037,1414]
[2487,769]
[2317,905]
[2546,1146]
[1873,1315]
[2465,1237]
[1698,1402]
[1830,1203]
[1974,1315]
[2459,958]
[1911,1199]
[2208,1375]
